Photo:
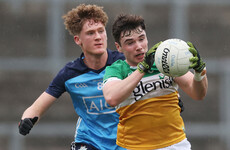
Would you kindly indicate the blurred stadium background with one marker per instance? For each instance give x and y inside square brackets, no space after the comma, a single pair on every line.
[34,46]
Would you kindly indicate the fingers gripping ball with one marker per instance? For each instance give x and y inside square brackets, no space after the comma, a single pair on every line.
[146,65]
[197,63]
[26,125]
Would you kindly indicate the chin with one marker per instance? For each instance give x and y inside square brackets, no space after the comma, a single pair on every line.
[100,52]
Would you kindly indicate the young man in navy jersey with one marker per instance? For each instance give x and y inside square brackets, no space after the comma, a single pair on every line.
[82,79]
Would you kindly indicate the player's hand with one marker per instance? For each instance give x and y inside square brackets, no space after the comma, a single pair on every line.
[149,59]
[197,63]
[26,125]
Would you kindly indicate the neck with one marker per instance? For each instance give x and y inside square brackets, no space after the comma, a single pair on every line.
[96,62]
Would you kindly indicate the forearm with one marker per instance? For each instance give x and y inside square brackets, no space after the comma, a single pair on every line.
[117,91]
[195,89]
[200,88]
[38,108]
[30,112]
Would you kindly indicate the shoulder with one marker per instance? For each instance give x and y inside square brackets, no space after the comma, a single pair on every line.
[115,67]
[114,55]
[72,69]
[118,64]
[118,69]
[76,65]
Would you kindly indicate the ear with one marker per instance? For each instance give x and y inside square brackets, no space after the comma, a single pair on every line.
[77,40]
[118,47]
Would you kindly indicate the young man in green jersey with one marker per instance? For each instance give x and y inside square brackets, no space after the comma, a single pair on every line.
[146,100]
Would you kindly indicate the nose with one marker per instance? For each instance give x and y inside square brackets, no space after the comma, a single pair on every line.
[97,35]
[138,46]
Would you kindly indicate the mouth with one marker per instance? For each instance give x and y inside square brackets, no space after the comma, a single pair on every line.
[98,44]
[139,55]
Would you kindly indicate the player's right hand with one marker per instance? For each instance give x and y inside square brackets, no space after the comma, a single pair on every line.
[26,125]
[149,59]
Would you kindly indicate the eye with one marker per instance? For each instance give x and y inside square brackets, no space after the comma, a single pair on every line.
[101,31]
[90,33]
[130,43]
[142,39]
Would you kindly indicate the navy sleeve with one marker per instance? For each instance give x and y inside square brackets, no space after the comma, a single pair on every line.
[70,70]
[57,86]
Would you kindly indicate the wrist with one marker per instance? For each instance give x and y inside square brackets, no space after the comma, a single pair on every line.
[198,76]
[140,71]
[142,67]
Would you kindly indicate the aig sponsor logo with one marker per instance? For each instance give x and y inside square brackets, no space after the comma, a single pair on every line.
[97,105]
[81,85]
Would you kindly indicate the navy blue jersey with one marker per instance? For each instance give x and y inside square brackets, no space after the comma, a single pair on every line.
[97,122]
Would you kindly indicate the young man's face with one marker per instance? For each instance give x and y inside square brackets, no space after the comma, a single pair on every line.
[92,38]
[134,46]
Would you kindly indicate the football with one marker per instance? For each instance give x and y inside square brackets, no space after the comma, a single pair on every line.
[172,57]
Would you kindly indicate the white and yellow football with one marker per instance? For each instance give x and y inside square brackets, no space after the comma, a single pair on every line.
[172,57]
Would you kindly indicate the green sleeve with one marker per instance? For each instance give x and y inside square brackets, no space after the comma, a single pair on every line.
[115,70]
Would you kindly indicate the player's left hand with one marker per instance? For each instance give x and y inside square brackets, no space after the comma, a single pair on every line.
[197,63]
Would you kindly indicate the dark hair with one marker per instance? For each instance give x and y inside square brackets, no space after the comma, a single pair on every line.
[76,17]
[125,23]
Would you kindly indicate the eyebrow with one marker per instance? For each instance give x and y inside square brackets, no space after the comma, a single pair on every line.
[92,30]
[127,40]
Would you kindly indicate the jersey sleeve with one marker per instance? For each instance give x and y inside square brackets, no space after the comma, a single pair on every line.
[113,71]
[57,86]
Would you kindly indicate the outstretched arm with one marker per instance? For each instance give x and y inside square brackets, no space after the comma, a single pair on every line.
[43,102]
[33,113]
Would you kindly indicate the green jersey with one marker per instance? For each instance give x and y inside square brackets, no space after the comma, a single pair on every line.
[153,83]
[151,110]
